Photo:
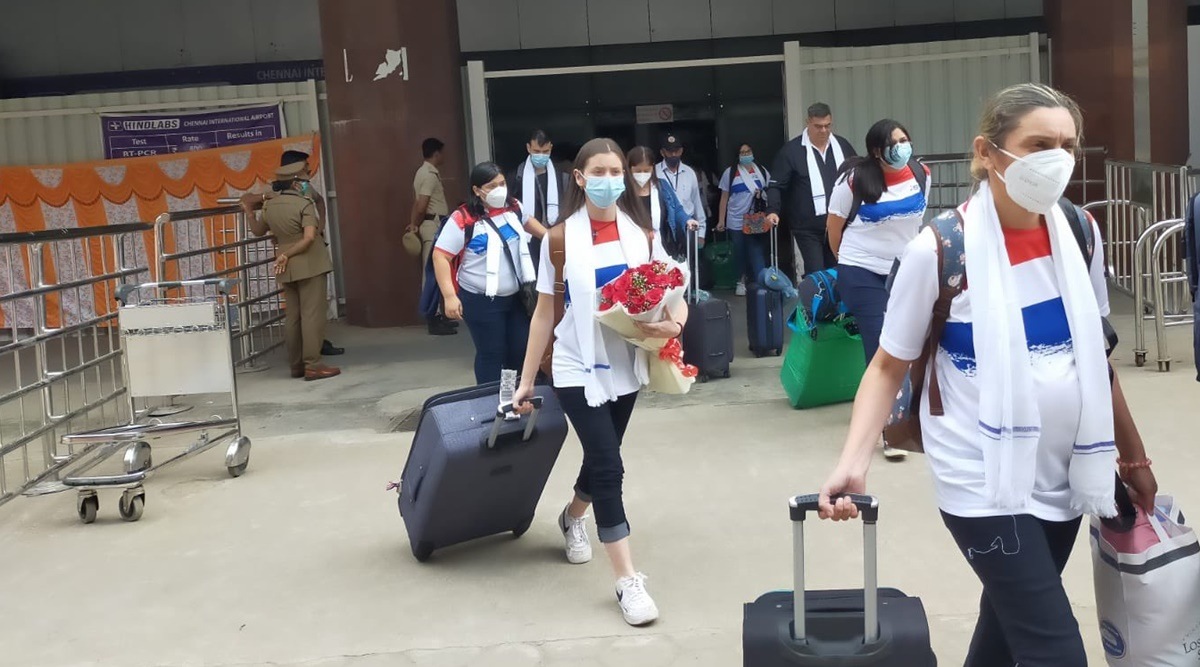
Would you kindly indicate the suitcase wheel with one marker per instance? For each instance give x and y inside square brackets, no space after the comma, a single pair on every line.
[422,551]
[703,377]
[758,354]
[777,352]
[727,374]
[521,529]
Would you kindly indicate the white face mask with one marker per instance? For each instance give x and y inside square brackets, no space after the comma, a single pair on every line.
[497,198]
[642,178]
[1037,181]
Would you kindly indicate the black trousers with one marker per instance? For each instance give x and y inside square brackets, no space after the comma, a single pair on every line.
[601,430]
[814,247]
[1024,616]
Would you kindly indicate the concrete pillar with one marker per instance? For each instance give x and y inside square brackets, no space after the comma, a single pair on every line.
[1125,62]
[378,121]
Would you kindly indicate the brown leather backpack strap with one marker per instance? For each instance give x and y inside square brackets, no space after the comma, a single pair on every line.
[558,259]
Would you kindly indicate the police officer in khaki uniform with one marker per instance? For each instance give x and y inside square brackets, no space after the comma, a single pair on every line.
[429,209]
[301,264]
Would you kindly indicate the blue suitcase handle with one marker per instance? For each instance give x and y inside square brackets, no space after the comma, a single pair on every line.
[499,421]
[868,506]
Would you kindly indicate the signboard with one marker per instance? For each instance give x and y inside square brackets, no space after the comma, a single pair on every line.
[655,113]
[137,135]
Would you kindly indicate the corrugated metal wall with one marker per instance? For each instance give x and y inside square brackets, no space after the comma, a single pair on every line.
[59,130]
[935,89]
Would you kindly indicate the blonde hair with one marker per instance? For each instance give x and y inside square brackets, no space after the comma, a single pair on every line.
[1004,111]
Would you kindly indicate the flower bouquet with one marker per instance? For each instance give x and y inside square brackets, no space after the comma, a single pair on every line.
[648,293]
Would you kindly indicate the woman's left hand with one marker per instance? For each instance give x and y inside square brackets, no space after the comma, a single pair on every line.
[664,329]
[1143,488]
[693,225]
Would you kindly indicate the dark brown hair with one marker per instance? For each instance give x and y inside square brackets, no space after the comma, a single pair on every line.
[576,198]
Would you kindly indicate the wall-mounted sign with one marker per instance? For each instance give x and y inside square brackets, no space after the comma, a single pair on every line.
[655,113]
[136,135]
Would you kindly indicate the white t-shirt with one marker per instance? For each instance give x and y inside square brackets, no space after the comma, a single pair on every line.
[472,270]
[741,194]
[877,235]
[614,355]
[951,441]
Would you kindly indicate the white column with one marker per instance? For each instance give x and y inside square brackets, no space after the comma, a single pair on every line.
[479,129]
[792,100]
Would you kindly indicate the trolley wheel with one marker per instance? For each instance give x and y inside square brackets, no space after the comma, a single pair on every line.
[237,457]
[88,506]
[131,506]
[1139,358]
[703,378]
[728,374]
[523,528]
[776,353]
[422,551]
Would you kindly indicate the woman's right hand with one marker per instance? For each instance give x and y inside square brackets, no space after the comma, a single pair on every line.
[841,482]
[520,399]
[453,308]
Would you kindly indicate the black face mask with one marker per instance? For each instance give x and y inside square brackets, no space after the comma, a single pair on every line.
[674,162]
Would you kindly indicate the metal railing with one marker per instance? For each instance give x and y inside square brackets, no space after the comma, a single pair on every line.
[61,359]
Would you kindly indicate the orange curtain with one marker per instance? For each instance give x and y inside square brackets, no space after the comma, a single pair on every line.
[83,194]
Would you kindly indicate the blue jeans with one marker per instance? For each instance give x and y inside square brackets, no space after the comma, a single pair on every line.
[749,253]
[865,295]
[500,330]
[1025,617]
[601,430]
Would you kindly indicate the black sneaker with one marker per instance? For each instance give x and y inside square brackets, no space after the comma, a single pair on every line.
[328,349]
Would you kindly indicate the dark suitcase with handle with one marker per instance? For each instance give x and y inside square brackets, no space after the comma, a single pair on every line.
[840,628]
[708,333]
[470,473]
[764,312]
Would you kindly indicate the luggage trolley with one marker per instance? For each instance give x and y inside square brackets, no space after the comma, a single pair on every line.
[173,346]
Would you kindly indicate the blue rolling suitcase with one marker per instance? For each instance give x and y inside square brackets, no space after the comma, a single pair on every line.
[840,628]
[764,312]
[470,473]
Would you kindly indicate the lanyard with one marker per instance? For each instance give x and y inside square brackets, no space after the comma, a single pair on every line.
[537,186]
[667,175]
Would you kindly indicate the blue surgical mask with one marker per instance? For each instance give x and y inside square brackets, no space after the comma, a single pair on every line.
[604,191]
[898,155]
[305,188]
[539,160]
[746,159]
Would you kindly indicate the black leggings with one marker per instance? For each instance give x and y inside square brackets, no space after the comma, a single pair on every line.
[600,430]
[1024,615]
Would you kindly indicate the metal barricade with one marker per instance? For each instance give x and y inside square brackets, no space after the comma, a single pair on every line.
[1162,288]
[60,355]
[216,243]
[1122,223]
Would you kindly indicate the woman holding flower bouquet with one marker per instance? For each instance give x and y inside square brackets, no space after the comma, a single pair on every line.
[485,243]
[597,373]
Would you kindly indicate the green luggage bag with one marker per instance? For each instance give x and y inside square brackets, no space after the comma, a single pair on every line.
[823,367]
[719,257]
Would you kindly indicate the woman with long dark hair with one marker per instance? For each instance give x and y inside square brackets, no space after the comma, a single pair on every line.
[667,215]
[597,374]
[741,184]
[1033,427]
[876,207]
[481,259]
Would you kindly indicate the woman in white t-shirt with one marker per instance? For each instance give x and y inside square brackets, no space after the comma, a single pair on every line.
[868,241]
[596,373]
[491,267]
[1033,425]
[740,185]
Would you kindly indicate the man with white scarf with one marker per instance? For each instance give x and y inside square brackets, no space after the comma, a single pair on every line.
[539,186]
[802,178]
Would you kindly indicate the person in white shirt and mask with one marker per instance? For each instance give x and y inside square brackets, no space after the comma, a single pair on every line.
[539,186]
[683,181]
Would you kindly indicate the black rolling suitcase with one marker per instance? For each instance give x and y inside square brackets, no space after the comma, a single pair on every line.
[708,333]
[470,473]
[843,628]
[764,312]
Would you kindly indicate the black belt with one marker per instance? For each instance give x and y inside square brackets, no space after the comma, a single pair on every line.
[431,216]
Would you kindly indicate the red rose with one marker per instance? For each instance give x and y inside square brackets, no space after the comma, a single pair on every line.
[655,296]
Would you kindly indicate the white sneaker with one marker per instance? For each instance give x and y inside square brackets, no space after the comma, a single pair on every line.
[893,454]
[637,606]
[740,290]
[579,547]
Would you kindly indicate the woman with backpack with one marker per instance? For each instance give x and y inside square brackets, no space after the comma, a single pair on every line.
[742,185]
[597,374]
[667,215]
[876,207]
[481,260]
[1033,428]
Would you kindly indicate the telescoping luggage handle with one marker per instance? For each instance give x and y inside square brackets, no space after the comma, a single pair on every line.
[868,507]
[693,256]
[507,408]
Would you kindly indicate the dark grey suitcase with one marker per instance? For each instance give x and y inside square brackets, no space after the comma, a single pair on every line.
[841,628]
[708,333]
[764,312]
[470,473]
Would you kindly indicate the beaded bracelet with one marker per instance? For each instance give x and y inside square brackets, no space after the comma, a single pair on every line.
[1134,465]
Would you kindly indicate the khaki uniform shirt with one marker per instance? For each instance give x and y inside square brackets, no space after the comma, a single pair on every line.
[428,183]
[287,215]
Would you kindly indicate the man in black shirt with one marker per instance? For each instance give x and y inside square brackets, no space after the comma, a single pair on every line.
[797,198]
[540,187]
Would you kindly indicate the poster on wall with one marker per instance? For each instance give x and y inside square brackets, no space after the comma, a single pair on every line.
[140,135]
